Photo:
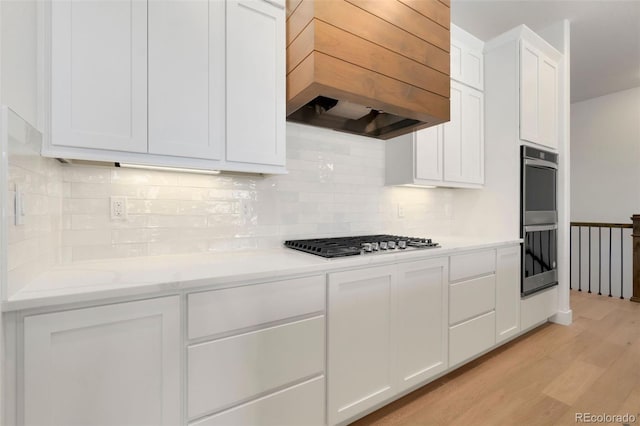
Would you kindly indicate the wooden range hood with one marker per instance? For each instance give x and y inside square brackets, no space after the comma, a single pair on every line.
[378,68]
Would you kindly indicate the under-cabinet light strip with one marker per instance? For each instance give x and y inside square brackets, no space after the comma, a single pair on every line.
[168,169]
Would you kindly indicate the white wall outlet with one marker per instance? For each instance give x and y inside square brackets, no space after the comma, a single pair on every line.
[245,210]
[400,210]
[118,208]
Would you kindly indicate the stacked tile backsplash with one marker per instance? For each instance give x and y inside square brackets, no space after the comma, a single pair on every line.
[34,245]
[335,186]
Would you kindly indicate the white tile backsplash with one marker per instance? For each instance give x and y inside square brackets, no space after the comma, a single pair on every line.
[335,186]
[34,246]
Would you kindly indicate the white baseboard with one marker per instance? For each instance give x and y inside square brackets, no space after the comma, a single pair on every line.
[562,317]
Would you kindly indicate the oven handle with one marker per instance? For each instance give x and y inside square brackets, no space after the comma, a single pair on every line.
[541,163]
[536,228]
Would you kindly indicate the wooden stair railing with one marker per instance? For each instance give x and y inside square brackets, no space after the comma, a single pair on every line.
[636,258]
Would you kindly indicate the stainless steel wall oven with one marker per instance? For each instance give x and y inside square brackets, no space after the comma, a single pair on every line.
[539,219]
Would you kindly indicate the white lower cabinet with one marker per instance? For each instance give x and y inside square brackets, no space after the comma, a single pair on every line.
[263,358]
[507,292]
[421,321]
[109,365]
[538,307]
[387,332]
[310,350]
[472,337]
[302,404]
[253,363]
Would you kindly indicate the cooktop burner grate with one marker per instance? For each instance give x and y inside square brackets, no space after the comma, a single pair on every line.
[365,244]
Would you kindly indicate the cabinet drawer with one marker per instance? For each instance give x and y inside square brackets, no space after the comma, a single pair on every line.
[302,404]
[468,299]
[234,369]
[471,337]
[219,311]
[538,307]
[471,265]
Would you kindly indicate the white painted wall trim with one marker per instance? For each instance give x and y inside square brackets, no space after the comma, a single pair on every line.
[559,36]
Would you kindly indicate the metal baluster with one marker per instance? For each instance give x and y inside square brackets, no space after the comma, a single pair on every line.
[610,261]
[599,261]
[579,258]
[621,264]
[589,260]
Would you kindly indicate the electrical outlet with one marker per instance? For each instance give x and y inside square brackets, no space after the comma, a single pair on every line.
[118,208]
[245,210]
[400,210]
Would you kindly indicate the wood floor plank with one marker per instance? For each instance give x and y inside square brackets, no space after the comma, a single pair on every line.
[542,378]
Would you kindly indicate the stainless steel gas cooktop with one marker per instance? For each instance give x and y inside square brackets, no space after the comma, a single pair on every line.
[364,244]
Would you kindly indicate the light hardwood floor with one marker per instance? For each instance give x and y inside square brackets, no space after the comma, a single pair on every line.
[542,378]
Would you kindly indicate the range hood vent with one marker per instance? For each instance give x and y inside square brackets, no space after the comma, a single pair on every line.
[377,68]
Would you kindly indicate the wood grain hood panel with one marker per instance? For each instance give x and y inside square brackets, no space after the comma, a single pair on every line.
[378,68]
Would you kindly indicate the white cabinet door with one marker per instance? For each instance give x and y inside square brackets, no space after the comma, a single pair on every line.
[529,90]
[421,327]
[507,293]
[361,348]
[428,153]
[99,74]
[464,136]
[548,109]
[186,78]
[538,96]
[255,82]
[466,64]
[109,365]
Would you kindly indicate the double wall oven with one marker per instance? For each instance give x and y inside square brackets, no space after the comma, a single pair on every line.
[539,219]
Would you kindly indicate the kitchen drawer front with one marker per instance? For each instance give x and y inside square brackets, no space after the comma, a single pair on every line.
[220,311]
[468,299]
[471,338]
[234,369]
[470,265]
[302,404]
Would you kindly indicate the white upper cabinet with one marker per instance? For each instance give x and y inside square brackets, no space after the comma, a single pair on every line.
[450,154]
[428,154]
[539,96]
[169,83]
[186,78]
[99,74]
[464,136]
[256,82]
[466,58]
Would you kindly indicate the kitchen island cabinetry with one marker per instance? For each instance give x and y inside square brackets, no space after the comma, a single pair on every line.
[113,364]
[167,83]
[387,333]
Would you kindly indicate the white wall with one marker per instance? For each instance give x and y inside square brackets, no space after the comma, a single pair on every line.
[605,158]
[19,50]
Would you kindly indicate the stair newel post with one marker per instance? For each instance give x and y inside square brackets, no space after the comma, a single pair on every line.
[636,258]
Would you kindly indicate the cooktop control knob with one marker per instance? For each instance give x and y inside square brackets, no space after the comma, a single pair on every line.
[428,240]
[391,245]
[375,246]
[383,245]
[402,244]
[367,247]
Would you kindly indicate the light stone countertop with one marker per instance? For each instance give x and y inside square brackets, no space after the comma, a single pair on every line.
[143,276]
